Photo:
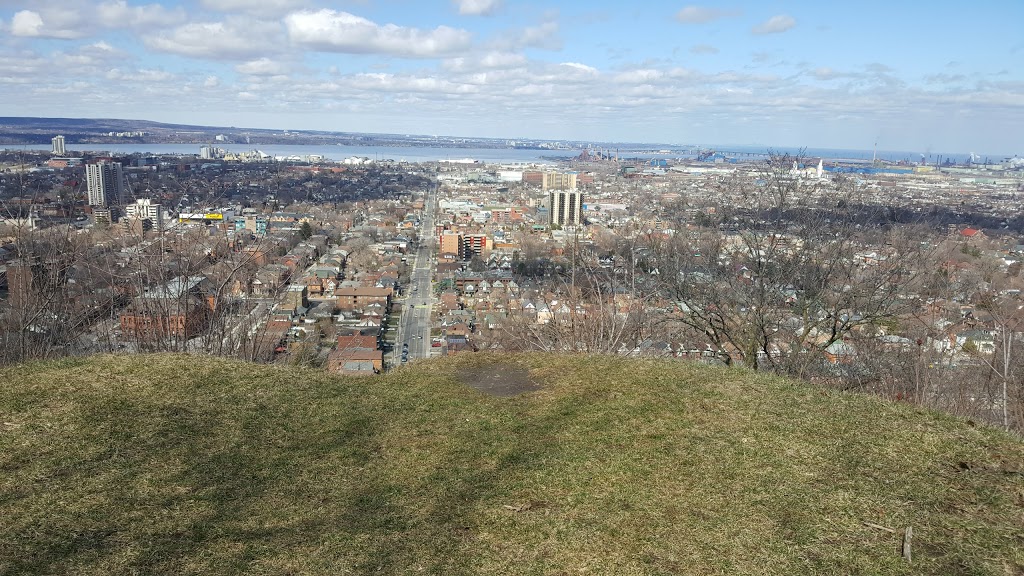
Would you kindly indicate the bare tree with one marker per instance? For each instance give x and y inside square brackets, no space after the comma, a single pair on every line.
[790,276]
[50,298]
[1003,363]
[595,309]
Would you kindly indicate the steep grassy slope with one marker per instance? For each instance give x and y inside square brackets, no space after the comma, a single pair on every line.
[186,465]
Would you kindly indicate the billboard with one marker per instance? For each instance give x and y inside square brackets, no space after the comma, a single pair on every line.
[200,217]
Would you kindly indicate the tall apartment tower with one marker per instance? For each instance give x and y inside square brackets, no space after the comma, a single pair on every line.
[106,183]
[559,181]
[565,208]
[58,145]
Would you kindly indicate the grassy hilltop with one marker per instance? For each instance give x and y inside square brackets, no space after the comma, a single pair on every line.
[191,465]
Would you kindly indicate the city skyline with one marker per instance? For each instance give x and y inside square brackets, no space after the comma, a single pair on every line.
[779,74]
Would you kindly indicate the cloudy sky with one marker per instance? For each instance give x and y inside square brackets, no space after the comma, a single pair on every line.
[913,76]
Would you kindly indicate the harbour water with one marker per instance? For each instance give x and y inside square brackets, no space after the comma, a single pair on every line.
[494,155]
[330,152]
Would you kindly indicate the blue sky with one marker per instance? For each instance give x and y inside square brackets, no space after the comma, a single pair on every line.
[914,76]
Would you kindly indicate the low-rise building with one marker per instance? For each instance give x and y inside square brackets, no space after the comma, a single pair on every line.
[358,297]
[181,309]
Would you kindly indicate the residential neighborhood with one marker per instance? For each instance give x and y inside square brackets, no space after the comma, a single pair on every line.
[363,268]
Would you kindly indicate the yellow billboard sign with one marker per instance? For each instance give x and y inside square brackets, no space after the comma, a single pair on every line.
[199,217]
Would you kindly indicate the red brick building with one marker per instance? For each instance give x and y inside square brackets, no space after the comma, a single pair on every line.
[180,309]
[358,297]
[356,354]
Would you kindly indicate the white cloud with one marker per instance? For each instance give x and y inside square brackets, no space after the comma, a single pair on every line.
[26,23]
[702,15]
[268,8]
[52,19]
[496,60]
[118,14]
[639,76]
[825,73]
[703,49]
[502,60]
[25,66]
[86,57]
[477,7]
[153,75]
[31,24]
[544,36]
[398,83]
[211,82]
[580,67]
[262,67]
[148,76]
[101,46]
[333,31]
[234,39]
[774,25]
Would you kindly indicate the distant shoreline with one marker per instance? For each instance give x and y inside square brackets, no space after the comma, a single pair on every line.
[417,152]
[98,134]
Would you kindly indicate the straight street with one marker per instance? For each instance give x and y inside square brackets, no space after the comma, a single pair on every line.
[419,298]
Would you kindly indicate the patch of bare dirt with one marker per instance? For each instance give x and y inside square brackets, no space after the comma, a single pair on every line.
[502,380]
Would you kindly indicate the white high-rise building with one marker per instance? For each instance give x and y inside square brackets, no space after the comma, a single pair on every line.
[146,209]
[58,145]
[565,208]
[106,183]
[206,152]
